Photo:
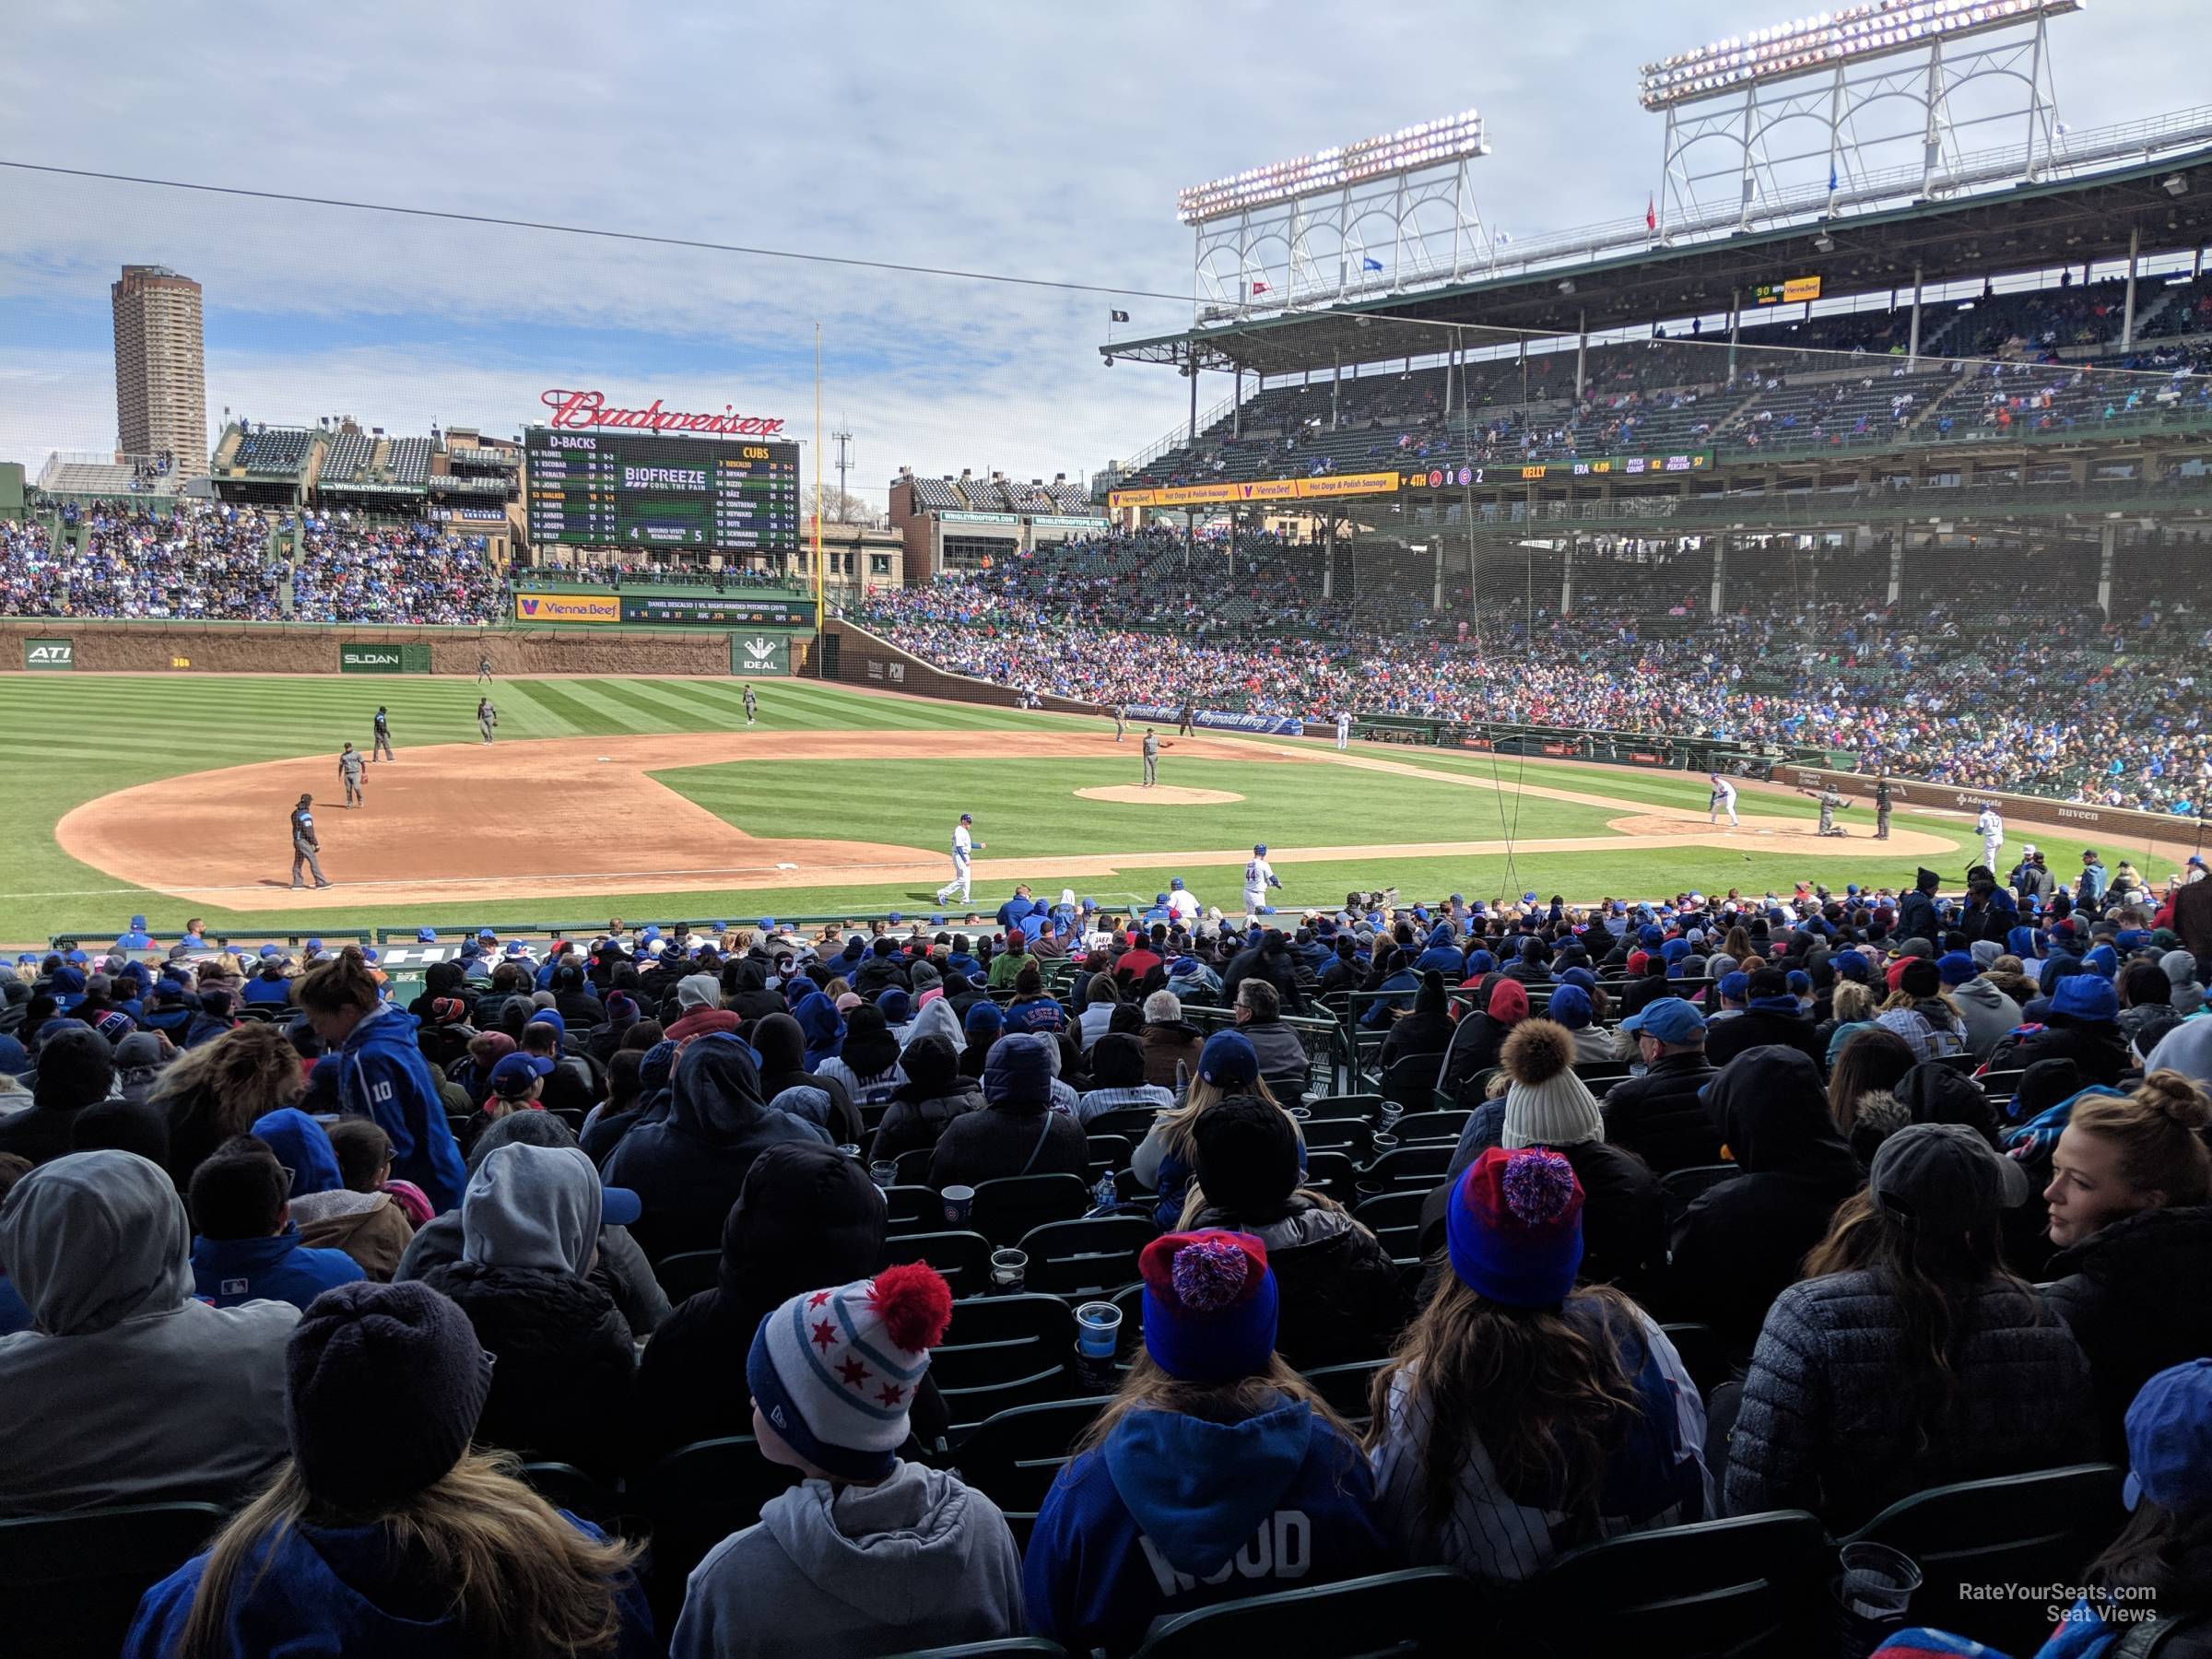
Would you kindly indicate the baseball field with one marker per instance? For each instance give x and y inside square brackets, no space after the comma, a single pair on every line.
[168,796]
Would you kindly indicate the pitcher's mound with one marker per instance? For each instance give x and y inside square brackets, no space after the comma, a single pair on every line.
[1160,794]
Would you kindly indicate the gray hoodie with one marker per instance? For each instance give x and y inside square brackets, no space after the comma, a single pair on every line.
[1988,1013]
[127,1390]
[533,1207]
[919,1562]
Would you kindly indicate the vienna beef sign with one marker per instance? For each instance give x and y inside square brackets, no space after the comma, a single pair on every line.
[572,409]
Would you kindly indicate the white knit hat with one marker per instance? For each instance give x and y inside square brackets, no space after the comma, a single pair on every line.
[834,1372]
[1546,1103]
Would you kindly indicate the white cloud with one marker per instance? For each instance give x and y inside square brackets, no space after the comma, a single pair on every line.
[1046,142]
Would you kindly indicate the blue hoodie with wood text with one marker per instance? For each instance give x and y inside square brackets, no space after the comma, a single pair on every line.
[1175,1513]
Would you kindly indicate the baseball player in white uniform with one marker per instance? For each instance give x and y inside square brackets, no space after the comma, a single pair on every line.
[1990,827]
[963,845]
[1723,800]
[1259,875]
[1344,730]
[1182,903]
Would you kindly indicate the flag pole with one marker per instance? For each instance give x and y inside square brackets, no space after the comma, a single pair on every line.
[821,617]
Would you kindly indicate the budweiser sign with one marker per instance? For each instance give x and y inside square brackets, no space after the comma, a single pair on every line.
[589,409]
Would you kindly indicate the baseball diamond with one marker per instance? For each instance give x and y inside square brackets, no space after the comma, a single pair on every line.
[833,801]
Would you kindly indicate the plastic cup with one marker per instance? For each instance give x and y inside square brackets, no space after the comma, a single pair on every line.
[1009,1270]
[1383,1143]
[1304,1115]
[850,1149]
[1877,1581]
[958,1202]
[1098,1329]
[1365,1189]
[884,1173]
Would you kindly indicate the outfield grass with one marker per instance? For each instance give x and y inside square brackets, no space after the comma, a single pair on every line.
[65,739]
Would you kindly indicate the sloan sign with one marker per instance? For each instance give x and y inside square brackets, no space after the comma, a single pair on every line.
[589,409]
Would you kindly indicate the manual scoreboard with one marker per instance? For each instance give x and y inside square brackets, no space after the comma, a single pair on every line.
[635,490]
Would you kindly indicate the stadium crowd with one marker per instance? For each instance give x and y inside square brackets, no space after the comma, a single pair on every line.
[1740,1204]
[2084,709]
[201,560]
[415,572]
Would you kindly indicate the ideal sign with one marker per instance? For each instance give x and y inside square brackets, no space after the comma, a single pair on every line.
[759,653]
[49,655]
[589,409]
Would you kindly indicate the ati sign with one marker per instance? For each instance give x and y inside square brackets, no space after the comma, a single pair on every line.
[759,653]
[49,655]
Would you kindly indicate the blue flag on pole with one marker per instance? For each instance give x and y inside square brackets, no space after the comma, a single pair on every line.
[1831,178]
[1369,263]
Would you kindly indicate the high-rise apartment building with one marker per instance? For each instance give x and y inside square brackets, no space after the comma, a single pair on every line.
[160,369]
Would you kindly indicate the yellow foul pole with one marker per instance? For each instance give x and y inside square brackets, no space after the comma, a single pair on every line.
[819,615]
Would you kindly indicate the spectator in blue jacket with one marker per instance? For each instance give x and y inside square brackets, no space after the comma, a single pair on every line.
[381,1073]
[245,1246]
[1216,1473]
[398,1540]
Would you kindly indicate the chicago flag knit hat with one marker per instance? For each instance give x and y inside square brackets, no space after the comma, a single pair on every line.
[834,1372]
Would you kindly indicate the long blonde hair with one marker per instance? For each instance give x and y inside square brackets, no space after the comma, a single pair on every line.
[1148,1388]
[524,1581]
[1177,1124]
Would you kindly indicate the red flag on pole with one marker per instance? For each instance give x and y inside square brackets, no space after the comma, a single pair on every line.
[1651,213]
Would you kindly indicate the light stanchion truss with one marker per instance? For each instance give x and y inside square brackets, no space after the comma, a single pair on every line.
[1358,220]
[1904,98]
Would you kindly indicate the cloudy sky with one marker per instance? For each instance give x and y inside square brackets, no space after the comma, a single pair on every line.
[1043,142]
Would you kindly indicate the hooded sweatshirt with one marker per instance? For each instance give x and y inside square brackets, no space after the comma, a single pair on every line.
[127,1390]
[622,1267]
[824,1029]
[1739,1243]
[340,1590]
[920,1560]
[1173,1513]
[1988,1013]
[383,1075]
[274,1267]
[782,1047]
[687,1169]
[368,1227]
[530,1228]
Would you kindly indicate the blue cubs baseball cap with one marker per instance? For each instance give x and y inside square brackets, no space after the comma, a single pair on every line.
[1734,986]
[486,933]
[2170,1440]
[936,921]
[1175,882]
[370,955]
[967,817]
[768,925]
[513,1075]
[269,950]
[1668,1018]
[1260,848]
[426,936]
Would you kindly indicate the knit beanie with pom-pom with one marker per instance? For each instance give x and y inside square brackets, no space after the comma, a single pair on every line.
[1546,1103]
[834,1372]
[1514,1228]
[1210,1305]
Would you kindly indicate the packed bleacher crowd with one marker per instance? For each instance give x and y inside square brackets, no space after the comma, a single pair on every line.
[892,1287]
[195,561]
[349,572]
[1993,671]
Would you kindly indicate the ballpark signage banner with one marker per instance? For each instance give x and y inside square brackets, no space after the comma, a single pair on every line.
[759,653]
[370,659]
[567,607]
[1220,720]
[53,656]
[589,409]
[1326,487]
[718,610]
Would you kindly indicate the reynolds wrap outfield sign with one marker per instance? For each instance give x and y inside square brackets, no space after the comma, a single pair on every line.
[1220,720]
[49,656]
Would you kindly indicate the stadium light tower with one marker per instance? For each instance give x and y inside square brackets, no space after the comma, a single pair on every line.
[1367,218]
[1876,100]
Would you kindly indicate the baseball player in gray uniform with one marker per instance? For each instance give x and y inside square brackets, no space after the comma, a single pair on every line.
[486,717]
[305,844]
[353,772]
[1151,757]
[752,704]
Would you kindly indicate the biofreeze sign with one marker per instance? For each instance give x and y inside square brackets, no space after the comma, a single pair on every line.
[50,654]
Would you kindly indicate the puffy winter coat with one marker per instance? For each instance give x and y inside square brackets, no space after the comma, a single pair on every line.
[1662,1116]
[2117,1291]
[1830,1420]
[1340,1297]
